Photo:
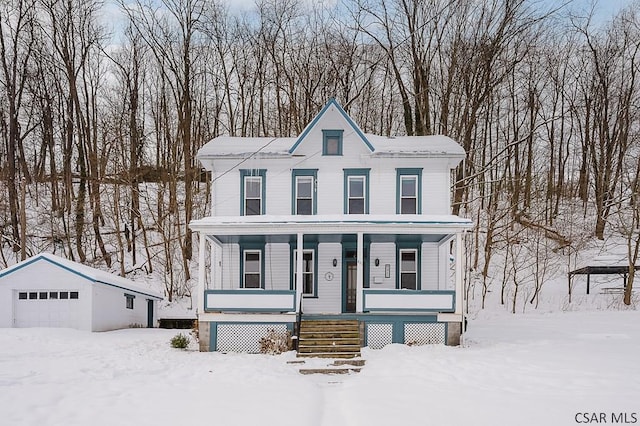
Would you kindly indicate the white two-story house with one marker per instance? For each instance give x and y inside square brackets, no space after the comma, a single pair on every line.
[332,224]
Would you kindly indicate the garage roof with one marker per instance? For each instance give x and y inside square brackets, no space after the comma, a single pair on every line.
[91,274]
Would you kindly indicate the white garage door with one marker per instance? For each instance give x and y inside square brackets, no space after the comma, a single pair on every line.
[47,308]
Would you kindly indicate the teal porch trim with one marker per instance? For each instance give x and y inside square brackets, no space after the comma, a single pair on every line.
[213,329]
[288,308]
[448,309]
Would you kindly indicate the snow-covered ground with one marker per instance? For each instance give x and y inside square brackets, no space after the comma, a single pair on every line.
[533,369]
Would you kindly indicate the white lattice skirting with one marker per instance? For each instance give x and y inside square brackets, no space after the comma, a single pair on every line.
[244,337]
[424,333]
[379,335]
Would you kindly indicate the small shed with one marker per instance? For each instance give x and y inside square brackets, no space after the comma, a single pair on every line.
[49,291]
[610,264]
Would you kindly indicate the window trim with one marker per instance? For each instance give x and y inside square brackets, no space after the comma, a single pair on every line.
[408,172]
[295,174]
[348,173]
[129,300]
[251,248]
[308,247]
[326,134]
[262,174]
[400,248]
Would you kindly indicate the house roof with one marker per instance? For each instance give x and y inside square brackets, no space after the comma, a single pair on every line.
[243,147]
[91,274]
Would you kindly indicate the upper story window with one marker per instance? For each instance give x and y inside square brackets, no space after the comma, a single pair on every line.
[252,189]
[409,189]
[304,192]
[332,142]
[356,191]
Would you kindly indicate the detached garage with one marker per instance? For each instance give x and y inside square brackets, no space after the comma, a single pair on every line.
[49,291]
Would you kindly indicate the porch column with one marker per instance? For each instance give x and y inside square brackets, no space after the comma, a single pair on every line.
[359,270]
[299,284]
[201,272]
[459,272]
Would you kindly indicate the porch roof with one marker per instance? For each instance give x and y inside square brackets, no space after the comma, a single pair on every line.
[332,224]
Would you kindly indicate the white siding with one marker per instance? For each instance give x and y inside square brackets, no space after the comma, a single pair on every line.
[230,266]
[110,311]
[277,266]
[429,273]
[386,252]
[43,275]
[329,298]
[435,191]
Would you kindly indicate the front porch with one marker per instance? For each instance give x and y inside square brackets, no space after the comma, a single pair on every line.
[396,277]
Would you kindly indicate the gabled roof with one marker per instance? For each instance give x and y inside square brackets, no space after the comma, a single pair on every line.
[310,126]
[382,146]
[91,274]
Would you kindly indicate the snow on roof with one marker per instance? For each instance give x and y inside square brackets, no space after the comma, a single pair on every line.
[337,218]
[92,274]
[436,145]
[238,146]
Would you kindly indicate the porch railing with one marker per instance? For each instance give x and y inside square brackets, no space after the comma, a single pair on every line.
[409,300]
[250,300]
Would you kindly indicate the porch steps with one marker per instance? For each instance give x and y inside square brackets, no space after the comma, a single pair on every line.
[329,339]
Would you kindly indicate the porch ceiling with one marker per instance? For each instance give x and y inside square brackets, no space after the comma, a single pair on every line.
[329,238]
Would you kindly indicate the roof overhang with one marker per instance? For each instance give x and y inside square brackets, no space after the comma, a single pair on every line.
[332,224]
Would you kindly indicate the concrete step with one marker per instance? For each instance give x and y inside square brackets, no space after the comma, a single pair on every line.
[344,370]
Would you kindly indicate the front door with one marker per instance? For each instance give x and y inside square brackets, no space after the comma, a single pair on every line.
[352,268]
[350,271]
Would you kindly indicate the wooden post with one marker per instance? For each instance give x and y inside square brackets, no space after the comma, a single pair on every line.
[588,282]
[459,272]
[201,272]
[359,272]
[299,284]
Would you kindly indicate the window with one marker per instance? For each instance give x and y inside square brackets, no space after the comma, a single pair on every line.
[73,295]
[408,266]
[252,269]
[356,191]
[53,295]
[303,190]
[64,295]
[33,295]
[409,188]
[332,142]
[252,189]
[22,296]
[43,295]
[308,275]
[129,300]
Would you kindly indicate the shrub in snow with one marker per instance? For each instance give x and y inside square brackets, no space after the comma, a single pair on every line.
[180,341]
[275,342]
